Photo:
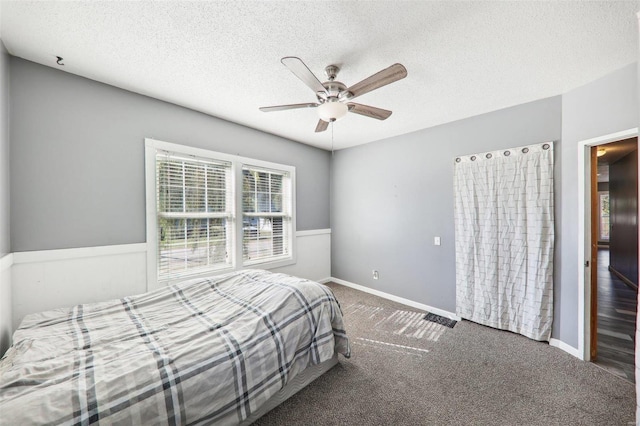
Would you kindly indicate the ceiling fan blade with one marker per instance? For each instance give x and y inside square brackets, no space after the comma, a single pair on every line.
[303,72]
[369,111]
[387,76]
[322,126]
[285,107]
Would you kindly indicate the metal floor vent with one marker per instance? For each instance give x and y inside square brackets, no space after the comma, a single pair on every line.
[440,320]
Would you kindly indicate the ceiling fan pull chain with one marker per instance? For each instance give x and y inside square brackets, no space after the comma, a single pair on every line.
[332,121]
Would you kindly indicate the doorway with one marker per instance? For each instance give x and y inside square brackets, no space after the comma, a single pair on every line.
[614,255]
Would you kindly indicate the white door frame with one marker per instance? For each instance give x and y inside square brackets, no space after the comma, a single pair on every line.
[584,234]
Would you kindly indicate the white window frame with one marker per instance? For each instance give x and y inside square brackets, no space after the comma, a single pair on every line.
[152,147]
[285,214]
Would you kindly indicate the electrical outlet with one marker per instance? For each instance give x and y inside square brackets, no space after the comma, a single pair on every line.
[375,275]
[436,241]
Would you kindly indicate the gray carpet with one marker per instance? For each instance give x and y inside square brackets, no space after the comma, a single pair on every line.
[405,372]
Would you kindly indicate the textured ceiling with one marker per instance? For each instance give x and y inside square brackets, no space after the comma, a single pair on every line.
[223,57]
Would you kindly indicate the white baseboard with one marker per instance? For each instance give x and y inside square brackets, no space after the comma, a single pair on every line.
[567,348]
[313,258]
[51,279]
[552,342]
[37,281]
[398,299]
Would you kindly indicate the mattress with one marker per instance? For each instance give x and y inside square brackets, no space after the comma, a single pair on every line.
[204,351]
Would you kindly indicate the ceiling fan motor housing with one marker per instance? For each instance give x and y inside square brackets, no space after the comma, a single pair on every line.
[334,89]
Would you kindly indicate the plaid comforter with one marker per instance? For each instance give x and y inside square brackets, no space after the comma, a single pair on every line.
[203,351]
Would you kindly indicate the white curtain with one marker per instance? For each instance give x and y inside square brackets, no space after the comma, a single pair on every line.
[504,239]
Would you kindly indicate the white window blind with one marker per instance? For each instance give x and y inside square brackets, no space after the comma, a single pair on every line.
[194,215]
[211,212]
[266,214]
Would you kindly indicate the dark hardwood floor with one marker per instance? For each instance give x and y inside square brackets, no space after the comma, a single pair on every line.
[617,307]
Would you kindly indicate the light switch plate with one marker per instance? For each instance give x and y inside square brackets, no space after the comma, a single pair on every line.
[436,241]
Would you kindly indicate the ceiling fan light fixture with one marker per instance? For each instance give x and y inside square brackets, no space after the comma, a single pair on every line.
[331,111]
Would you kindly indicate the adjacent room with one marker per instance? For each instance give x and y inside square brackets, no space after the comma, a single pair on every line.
[283,213]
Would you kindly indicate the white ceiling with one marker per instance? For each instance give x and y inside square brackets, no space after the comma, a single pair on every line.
[223,57]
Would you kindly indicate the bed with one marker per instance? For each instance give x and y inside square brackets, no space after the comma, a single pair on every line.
[220,350]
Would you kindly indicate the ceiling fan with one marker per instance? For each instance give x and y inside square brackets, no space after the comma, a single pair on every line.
[334,97]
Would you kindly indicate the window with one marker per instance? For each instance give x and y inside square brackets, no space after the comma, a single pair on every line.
[194,215]
[192,199]
[266,214]
[604,227]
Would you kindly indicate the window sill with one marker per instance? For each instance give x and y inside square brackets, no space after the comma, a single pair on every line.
[269,263]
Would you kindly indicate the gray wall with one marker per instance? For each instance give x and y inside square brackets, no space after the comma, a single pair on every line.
[4,152]
[77,156]
[390,198]
[5,275]
[605,106]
